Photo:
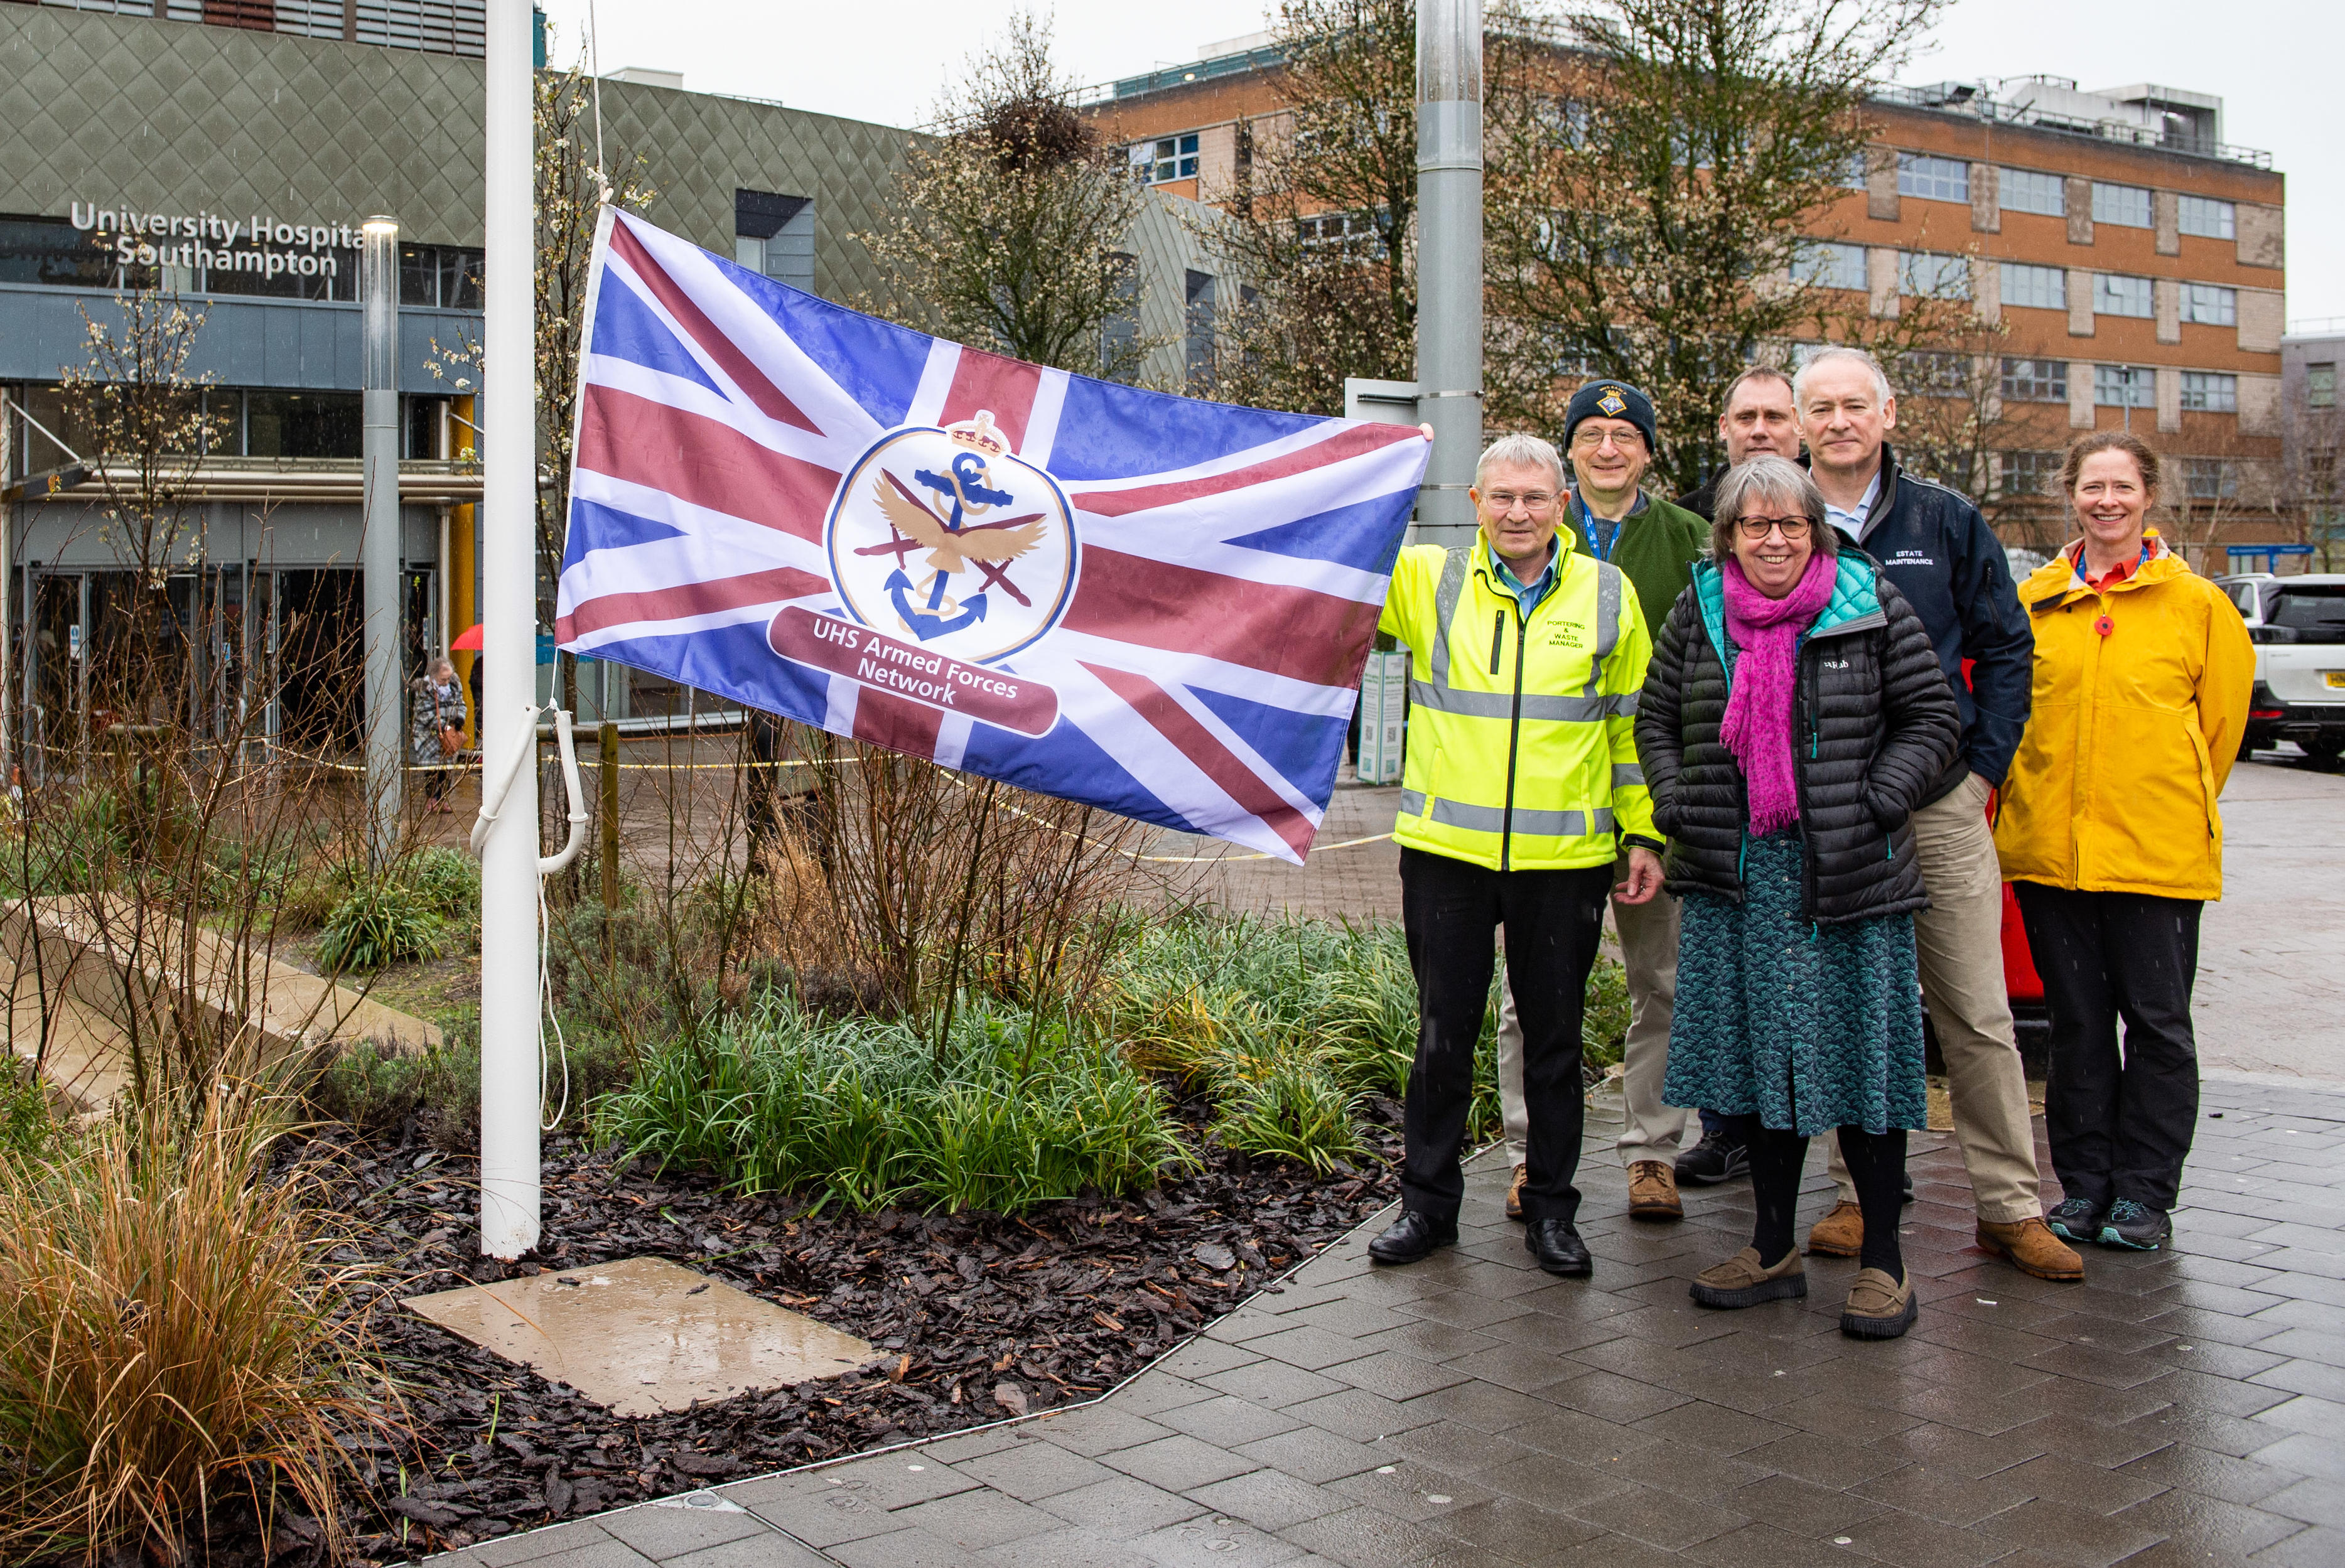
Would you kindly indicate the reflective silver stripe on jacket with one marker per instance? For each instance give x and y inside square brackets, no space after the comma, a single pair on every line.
[1444,605]
[1608,620]
[1500,704]
[1493,819]
[1624,774]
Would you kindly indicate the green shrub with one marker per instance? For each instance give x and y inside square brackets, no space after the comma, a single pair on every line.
[1290,1107]
[449,880]
[1005,1114]
[29,1125]
[379,923]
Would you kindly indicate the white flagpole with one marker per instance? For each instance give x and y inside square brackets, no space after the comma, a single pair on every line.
[509,978]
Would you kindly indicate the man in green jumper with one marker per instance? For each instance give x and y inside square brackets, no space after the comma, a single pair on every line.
[1608,441]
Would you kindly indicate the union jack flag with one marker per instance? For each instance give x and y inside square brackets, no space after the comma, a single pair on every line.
[1148,603]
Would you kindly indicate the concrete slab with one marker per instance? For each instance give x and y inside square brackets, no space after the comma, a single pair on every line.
[645,1335]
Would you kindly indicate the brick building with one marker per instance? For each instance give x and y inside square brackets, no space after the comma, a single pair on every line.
[2132,258]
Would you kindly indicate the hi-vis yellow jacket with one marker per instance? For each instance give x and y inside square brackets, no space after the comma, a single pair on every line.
[1522,754]
[2141,697]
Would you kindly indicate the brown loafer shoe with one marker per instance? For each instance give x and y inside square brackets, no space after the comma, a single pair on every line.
[1742,1280]
[1515,1192]
[1878,1308]
[1841,1233]
[1654,1192]
[2032,1248]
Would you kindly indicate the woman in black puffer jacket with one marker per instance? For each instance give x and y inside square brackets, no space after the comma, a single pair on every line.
[1793,715]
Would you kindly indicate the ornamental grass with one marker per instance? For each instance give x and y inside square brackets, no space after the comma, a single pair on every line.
[171,1343]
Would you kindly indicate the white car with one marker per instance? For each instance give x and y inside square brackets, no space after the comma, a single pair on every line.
[2298,626]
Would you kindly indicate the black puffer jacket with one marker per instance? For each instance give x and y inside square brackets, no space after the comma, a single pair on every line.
[1874,726]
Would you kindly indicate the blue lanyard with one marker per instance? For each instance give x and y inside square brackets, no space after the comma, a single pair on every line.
[1588,526]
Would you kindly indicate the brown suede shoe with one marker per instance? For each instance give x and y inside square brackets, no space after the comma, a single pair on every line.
[1878,1307]
[1742,1280]
[1654,1192]
[1841,1233]
[1515,1192]
[2032,1248]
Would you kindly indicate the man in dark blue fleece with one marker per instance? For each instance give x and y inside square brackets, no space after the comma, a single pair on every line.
[1946,562]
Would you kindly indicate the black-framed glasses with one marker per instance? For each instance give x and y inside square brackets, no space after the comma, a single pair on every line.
[1758,528]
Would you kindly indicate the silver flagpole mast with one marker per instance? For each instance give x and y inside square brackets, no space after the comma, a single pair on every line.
[509,978]
[1449,261]
[379,548]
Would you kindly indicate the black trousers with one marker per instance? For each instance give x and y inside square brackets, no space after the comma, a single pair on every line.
[1450,910]
[2119,1124]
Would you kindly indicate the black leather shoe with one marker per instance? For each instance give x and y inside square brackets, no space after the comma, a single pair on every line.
[1558,1248]
[1411,1238]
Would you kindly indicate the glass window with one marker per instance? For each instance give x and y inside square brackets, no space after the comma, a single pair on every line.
[2031,190]
[2127,206]
[1353,232]
[2317,614]
[2210,479]
[303,424]
[1120,332]
[1858,168]
[1831,264]
[2035,380]
[2321,385]
[2210,392]
[2038,288]
[1935,179]
[1166,159]
[1198,357]
[2123,387]
[2029,473]
[52,250]
[2208,305]
[1934,274]
[2115,294]
[2205,215]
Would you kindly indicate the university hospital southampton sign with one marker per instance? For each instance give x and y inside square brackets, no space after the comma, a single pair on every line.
[258,244]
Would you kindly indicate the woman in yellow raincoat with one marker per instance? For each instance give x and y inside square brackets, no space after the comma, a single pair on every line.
[2110,836]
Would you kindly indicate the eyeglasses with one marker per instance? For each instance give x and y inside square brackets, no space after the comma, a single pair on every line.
[1757,528]
[1535,501]
[1589,437]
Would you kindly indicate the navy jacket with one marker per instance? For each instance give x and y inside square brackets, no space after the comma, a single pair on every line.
[1950,567]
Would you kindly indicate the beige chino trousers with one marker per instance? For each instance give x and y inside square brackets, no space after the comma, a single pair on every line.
[1960,942]
[1648,950]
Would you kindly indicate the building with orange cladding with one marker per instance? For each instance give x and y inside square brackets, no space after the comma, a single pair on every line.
[2132,260]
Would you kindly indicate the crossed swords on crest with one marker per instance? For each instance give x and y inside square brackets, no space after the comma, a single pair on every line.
[916,527]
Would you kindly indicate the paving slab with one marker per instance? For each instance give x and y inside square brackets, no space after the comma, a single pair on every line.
[2187,1406]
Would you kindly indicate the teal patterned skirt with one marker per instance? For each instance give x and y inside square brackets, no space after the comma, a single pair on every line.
[1811,1026]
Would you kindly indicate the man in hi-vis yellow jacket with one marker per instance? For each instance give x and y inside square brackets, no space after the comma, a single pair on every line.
[1520,789]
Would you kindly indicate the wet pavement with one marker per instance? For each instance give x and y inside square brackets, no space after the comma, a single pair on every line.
[2177,1407]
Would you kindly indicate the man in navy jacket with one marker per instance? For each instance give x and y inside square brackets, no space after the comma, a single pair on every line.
[1950,566]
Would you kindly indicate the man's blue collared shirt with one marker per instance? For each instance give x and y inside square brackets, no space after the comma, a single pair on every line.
[1526,597]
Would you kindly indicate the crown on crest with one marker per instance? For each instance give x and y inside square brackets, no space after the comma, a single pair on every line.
[979,434]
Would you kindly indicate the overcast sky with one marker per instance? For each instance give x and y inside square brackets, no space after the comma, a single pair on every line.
[2273,62]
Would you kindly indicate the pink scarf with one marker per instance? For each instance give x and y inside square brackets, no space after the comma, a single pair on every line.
[1758,728]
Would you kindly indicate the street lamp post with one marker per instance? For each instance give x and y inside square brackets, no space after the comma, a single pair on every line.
[509,976]
[1449,261]
[378,538]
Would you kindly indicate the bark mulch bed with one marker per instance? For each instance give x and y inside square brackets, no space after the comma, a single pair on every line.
[977,1317]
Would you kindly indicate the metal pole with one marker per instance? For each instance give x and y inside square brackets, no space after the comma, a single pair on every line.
[378,538]
[509,1001]
[1449,261]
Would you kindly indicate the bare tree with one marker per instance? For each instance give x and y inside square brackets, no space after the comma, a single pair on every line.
[1320,213]
[1654,184]
[1005,229]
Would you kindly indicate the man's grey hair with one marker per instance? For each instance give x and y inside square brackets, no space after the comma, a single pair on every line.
[1518,449]
[1841,353]
[1768,478]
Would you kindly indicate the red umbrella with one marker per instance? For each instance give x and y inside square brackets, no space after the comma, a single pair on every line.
[467,641]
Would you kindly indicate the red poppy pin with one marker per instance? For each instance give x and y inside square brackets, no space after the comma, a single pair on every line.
[2105,625]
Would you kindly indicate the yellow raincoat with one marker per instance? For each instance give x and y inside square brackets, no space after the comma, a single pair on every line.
[2141,697]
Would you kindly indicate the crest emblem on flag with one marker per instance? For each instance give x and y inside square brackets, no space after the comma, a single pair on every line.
[947,537]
